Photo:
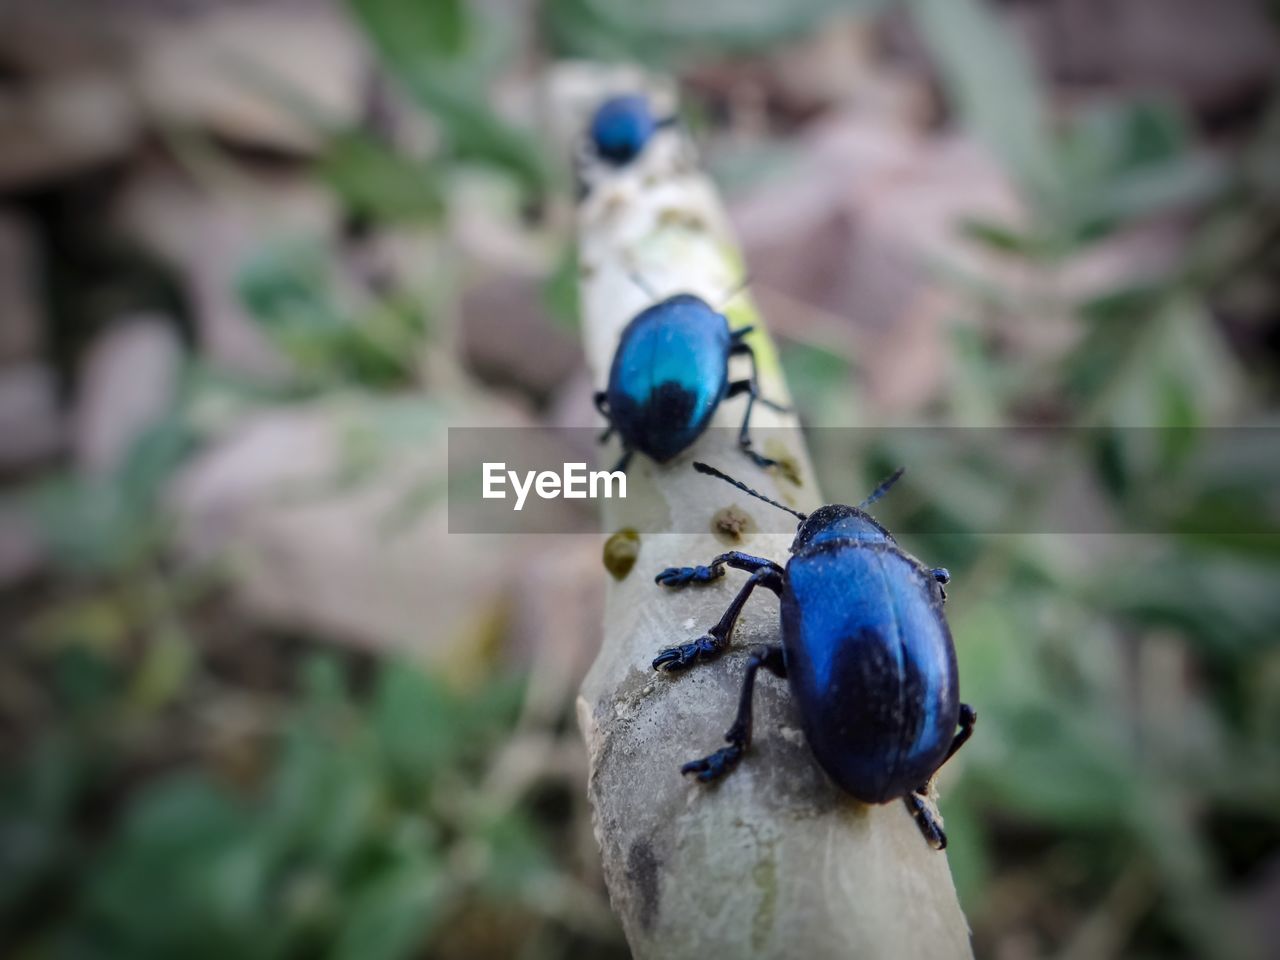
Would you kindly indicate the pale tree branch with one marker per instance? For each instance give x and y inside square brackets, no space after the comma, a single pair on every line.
[774,861]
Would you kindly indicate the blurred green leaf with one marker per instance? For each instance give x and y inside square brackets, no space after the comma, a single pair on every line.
[414,33]
[665,33]
[166,666]
[377,182]
[1128,303]
[1061,770]
[333,335]
[1111,165]
[184,830]
[1152,359]
[1179,364]
[418,721]
[518,857]
[1125,160]
[560,291]
[1128,197]
[329,855]
[324,693]
[97,524]
[289,279]
[1227,604]
[967,849]
[393,915]
[446,53]
[1002,239]
[994,89]
[36,797]
[816,375]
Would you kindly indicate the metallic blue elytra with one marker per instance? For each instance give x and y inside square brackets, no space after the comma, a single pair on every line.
[668,376]
[875,679]
[865,649]
[621,128]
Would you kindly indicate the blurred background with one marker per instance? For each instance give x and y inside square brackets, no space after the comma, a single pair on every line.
[255,257]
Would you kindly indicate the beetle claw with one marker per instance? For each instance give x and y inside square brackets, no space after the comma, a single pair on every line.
[674,576]
[666,657]
[680,576]
[687,654]
[764,463]
[716,765]
[925,820]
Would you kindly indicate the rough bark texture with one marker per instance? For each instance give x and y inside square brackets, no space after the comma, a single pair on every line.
[774,861]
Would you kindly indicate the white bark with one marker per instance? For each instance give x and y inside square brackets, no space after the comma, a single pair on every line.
[774,861]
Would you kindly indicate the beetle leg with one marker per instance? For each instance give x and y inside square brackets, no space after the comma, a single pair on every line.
[915,800]
[712,644]
[686,655]
[926,821]
[623,461]
[602,405]
[716,765]
[744,433]
[753,382]
[751,387]
[968,717]
[941,576]
[679,576]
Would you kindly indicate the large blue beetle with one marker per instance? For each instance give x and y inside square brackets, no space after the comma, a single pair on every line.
[670,372]
[865,648]
[622,127]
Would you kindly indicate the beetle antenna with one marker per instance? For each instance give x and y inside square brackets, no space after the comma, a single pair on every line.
[881,490]
[713,472]
[643,284]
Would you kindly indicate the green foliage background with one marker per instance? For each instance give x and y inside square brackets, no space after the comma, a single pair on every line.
[1123,789]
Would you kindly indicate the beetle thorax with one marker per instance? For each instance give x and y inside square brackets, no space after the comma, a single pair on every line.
[837,521]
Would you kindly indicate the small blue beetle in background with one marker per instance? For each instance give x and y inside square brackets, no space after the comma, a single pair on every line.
[622,127]
[669,374]
[865,649]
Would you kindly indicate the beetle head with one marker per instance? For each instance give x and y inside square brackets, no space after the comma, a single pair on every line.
[838,521]
[835,521]
[621,127]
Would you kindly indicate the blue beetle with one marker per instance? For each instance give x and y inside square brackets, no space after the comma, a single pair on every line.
[622,127]
[865,648]
[668,376]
